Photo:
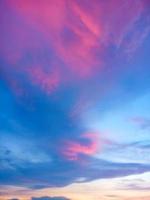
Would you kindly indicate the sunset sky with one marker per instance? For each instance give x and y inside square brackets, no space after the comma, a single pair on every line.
[74,99]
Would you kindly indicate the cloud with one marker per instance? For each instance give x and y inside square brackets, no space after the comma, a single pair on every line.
[55,176]
[137,151]
[141,122]
[137,187]
[87,146]
[67,34]
[45,198]
[49,198]
[13,199]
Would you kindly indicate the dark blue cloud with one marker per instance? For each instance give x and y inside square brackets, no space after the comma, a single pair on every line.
[62,173]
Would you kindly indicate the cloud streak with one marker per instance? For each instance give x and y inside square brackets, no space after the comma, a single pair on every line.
[49,198]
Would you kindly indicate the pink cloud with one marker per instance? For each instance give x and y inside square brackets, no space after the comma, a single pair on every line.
[78,33]
[73,149]
[47,81]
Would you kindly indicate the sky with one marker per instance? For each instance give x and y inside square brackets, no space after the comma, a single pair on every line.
[74,100]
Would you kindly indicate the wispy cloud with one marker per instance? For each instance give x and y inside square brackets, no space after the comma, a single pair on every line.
[141,122]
